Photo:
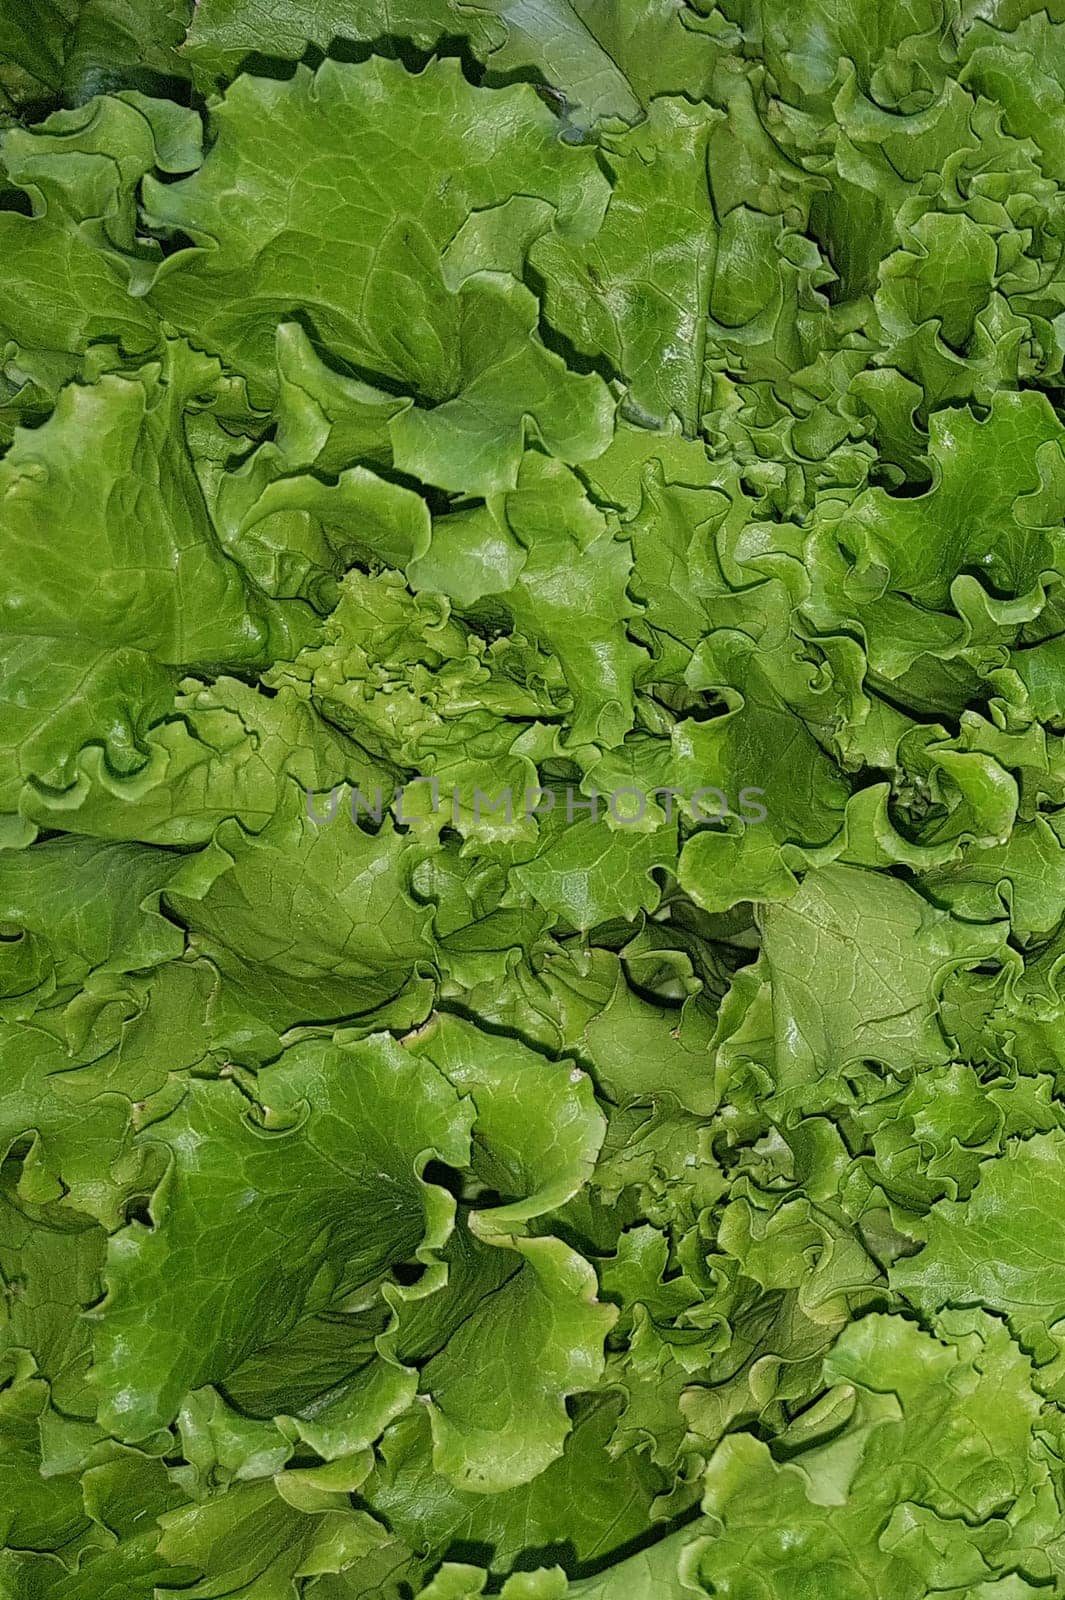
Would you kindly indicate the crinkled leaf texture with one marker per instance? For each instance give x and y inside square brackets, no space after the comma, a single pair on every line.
[532,800]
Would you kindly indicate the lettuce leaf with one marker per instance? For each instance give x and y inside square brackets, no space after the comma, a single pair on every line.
[532,765]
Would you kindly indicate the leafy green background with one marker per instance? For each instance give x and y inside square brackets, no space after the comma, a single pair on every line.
[656,395]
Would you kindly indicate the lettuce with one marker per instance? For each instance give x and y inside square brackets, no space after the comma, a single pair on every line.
[532,777]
